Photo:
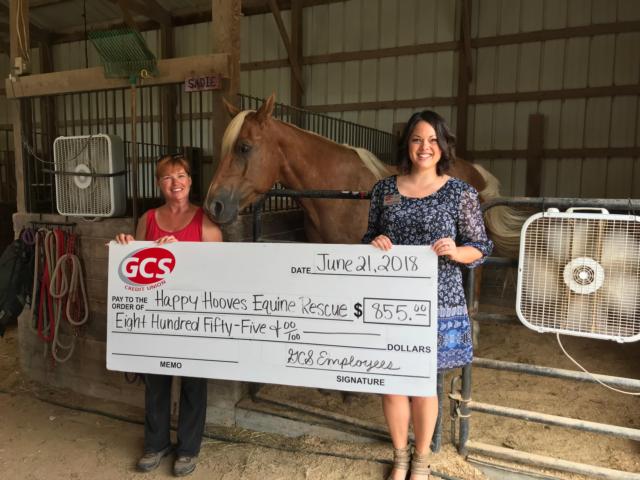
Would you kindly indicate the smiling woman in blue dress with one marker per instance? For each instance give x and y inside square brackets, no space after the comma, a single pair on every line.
[425,206]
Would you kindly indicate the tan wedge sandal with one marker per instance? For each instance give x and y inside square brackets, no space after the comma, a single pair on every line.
[401,460]
[421,464]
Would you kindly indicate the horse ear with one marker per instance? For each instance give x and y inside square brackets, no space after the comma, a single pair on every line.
[266,109]
[231,108]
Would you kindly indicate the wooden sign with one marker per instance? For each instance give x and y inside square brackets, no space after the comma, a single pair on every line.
[344,317]
[205,82]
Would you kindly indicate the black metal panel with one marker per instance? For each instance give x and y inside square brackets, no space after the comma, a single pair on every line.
[109,112]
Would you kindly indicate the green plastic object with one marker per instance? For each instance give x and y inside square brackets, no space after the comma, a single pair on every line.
[124,53]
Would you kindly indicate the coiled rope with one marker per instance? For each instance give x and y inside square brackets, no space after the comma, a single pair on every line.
[60,289]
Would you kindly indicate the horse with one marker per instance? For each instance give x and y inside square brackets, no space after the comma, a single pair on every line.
[259,151]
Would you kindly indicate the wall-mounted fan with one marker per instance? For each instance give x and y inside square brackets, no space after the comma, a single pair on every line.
[579,274]
[90,179]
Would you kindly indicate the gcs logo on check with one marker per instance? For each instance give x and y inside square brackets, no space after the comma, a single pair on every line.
[146,266]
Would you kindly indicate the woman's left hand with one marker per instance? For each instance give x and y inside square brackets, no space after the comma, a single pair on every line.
[166,239]
[445,246]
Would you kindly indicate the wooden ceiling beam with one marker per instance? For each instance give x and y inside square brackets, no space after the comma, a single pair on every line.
[34,4]
[257,7]
[249,7]
[147,8]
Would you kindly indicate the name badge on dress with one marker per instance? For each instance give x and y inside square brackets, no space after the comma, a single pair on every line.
[391,199]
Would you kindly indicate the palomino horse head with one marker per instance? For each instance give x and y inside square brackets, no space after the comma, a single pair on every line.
[249,163]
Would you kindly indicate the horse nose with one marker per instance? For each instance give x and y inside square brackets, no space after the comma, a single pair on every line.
[222,206]
[216,207]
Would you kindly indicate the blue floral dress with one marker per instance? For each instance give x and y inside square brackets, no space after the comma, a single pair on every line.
[453,211]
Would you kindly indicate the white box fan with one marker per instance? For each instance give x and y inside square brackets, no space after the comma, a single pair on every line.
[102,191]
[579,274]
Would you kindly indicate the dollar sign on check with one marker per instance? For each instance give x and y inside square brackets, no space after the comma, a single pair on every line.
[358,310]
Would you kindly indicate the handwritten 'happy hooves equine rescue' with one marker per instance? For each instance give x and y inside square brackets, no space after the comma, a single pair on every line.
[259,150]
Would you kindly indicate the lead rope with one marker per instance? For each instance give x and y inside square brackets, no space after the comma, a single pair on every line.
[68,275]
[36,282]
[55,250]
[46,318]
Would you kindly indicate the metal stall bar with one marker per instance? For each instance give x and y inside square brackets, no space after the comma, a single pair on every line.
[550,462]
[546,419]
[89,113]
[564,202]
[258,207]
[341,131]
[618,382]
[462,400]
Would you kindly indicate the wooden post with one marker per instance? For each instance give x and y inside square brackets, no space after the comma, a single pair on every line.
[168,95]
[535,144]
[18,9]
[225,35]
[47,104]
[296,50]
[464,77]
[293,57]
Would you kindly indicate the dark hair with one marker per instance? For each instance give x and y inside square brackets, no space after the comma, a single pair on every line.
[175,160]
[446,141]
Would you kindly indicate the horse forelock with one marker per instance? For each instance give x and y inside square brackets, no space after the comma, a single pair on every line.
[231,133]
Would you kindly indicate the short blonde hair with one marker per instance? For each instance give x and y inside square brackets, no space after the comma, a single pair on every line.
[175,160]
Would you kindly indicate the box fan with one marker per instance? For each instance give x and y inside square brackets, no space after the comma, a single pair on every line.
[90,179]
[579,274]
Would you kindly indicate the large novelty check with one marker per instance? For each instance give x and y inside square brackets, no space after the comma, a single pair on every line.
[345,317]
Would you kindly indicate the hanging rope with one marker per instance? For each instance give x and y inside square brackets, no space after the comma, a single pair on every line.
[62,296]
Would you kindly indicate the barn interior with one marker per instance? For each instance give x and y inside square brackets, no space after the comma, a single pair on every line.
[544,94]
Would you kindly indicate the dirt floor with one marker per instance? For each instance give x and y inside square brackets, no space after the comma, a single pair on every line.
[578,400]
[59,435]
[54,434]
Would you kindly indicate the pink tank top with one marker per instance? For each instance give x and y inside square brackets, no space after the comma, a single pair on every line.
[191,233]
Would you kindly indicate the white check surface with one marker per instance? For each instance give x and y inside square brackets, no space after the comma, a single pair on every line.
[344,317]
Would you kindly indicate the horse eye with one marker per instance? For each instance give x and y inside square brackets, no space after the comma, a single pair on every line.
[244,147]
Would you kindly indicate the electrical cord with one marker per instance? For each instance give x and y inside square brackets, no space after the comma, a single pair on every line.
[591,374]
[30,150]
[21,32]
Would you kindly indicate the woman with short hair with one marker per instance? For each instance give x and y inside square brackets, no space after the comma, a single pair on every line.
[176,220]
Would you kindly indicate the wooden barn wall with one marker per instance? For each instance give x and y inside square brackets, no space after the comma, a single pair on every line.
[579,62]
[369,25]
[261,41]
[352,26]
[573,63]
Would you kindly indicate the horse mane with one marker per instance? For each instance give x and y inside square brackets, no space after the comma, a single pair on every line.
[373,164]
